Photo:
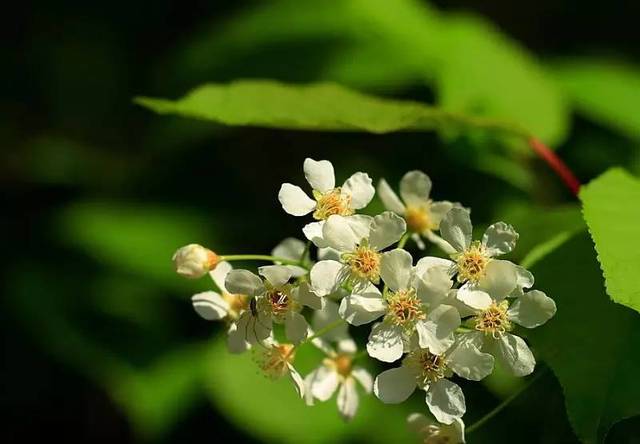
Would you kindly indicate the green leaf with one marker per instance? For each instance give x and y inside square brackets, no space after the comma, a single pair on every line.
[591,344]
[610,207]
[605,91]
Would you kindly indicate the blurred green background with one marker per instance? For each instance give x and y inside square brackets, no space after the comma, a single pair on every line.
[100,342]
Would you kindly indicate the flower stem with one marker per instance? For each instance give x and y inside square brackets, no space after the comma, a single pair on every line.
[263,257]
[556,164]
[324,330]
[479,423]
[403,240]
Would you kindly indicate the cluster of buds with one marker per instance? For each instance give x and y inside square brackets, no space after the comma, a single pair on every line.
[439,317]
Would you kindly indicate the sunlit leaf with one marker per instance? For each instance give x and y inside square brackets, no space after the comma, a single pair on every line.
[610,206]
[591,343]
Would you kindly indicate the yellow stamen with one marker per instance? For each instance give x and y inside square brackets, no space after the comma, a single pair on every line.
[404,308]
[238,303]
[364,263]
[419,219]
[472,263]
[428,367]
[332,202]
[494,319]
[274,361]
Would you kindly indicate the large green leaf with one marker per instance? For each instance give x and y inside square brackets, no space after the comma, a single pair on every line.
[610,207]
[605,91]
[591,344]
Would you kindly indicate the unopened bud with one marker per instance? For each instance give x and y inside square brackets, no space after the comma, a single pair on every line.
[194,261]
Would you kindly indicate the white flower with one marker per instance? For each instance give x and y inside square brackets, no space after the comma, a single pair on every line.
[194,261]
[412,305]
[354,194]
[429,372]
[492,321]
[337,373]
[433,432]
[295,250]
[274,300]
[226,306]
[359,240]
[276,360]
[422,214]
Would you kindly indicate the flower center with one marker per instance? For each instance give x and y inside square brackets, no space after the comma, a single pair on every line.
[364,263]
[330,203]
[278,302]
[472,263]
[428,367]
[494,320]
[419,219]
[341,363]
[274,361]
[238,303]
[404,308]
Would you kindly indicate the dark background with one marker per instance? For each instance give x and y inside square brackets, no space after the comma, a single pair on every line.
[78,157]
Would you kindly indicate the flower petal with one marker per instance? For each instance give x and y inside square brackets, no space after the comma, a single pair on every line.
[513,354]
[324,277]
[253,329]
[389,198]
[439,242]
[385,342]
[468,361]
[428,262]
[415,187]
[295,201]
[236,342]
[446,401]
[324,383]
[319,174]
[295,327]
[474,298]
[386,229]
[532,309]
[499,238]
[360,187]
[210,305]
[360,309]
[439,209]
[395,385]
[219,274]
[305,296]
[433,286]
[436,332]
[289,248]
[396,268]
[243,282]
[524,280]
[348,399]
[329,315]
[499,280]
[456,228]
[298,382]
[363,376]
[276,275]
[339,234]
[313,232]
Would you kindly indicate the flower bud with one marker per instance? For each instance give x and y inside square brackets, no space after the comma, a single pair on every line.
[194,261]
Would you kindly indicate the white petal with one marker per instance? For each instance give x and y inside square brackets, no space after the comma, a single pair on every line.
[532,309]
[338,234]
[289,248]
[500,238]
[390,199]
[360,187]
[499,280]
[469,362]
[474,298]
[219,274]
[436,332]
[433,286]
[236,340]
[456,228]
[385,342]
[360,309]
[514,355]
[419,424]
[313,232]
[524,280]
[446,401]
[395,268]
[328,254]
[363,377]
[324,383]
[438,210]
[348,399]
[395,385]
[324,277]
[276,275]
[387,228]
[253,329]
[415,187]
[428,262]
[418,240]
[295,327]
[298,382]
[243,282]
[295,201]
[439,242]
[319,174]
[210,305]
[305,296]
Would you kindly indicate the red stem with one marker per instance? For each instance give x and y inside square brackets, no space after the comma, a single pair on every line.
[556,164]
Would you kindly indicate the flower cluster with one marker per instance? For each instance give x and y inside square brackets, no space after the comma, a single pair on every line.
[437,318]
